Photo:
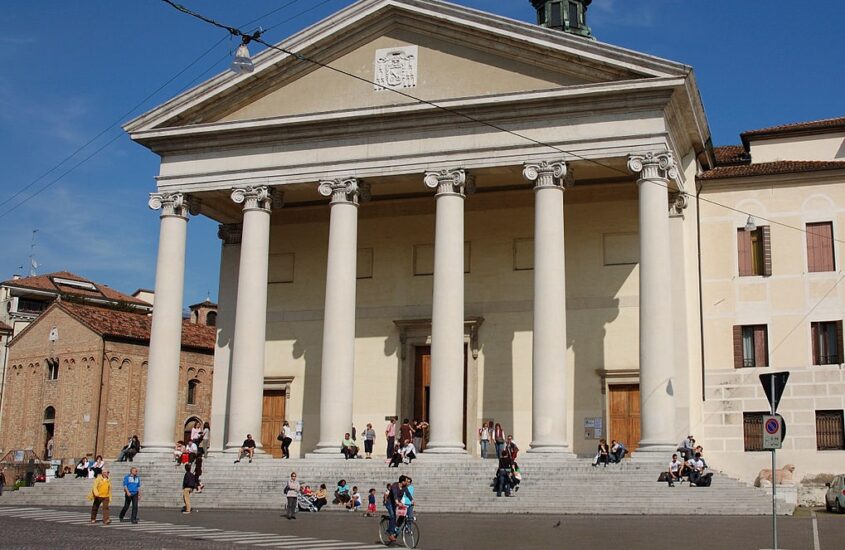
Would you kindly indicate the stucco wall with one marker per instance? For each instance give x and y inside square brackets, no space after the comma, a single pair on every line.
[788,301]
[602,307]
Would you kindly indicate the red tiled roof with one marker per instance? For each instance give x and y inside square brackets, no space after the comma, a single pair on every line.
[45,283]
[812,126]
[134,326]
[731,155]
[5,328]
[771,169]
[824,124]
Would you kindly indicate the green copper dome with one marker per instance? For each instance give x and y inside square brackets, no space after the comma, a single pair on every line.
[566,15]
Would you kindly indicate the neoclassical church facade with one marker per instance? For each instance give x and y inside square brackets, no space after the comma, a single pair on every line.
[430,211]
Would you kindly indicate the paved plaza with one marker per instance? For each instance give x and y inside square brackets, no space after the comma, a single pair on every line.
[30,527]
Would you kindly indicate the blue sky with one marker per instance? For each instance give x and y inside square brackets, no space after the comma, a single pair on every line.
[72,69]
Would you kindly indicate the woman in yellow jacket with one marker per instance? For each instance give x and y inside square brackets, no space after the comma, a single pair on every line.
[101,494]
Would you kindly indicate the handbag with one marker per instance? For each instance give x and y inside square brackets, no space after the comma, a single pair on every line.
[280,437]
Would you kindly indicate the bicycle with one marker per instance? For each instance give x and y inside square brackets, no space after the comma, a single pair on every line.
[408,529]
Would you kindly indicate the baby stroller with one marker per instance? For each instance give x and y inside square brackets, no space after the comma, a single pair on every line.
[306,503]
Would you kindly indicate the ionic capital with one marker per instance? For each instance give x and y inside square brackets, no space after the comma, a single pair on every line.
[678,202]
[546,174]
[653,166]
[345,191]
[450,182]
[173,204]
[230,233]
[257,198]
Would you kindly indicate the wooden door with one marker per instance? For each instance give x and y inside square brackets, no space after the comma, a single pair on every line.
[625,414]
[422,382]
[422,387]
[271,421]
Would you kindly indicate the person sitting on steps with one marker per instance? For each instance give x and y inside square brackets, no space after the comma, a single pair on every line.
[695,468]
[675,469]
[348,447]
[602,453]
[687,448]
[247,449]
[409,452]
[617,451]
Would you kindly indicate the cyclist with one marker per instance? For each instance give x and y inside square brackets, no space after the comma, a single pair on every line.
[393,501]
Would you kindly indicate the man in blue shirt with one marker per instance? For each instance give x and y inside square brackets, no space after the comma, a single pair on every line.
[131,494]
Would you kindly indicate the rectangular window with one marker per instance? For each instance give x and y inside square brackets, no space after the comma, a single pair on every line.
[26,305]
[752,426]
[827,342]
[820,247]
[364,264]
[281,268]
[523,254]
[751,346]
[556,15]
[830,431]
[573,14]
[754,252]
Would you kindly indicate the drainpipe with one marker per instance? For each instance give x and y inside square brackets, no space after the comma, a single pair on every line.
[700,292]
[103,362]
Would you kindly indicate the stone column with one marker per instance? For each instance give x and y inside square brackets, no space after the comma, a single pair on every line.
[246,395]
[446,412]
[657,410]
[227,299]
[160,405]
[549,395]
[338,366]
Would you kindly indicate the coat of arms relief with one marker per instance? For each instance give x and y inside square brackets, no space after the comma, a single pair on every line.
[396,68]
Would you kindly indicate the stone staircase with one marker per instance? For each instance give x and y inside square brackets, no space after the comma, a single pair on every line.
[442,485]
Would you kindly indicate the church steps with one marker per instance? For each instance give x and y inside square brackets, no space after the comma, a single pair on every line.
[572,487]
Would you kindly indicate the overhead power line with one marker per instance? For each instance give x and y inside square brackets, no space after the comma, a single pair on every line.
[256,37]
[122,117]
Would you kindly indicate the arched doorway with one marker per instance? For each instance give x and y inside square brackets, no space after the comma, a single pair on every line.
[48,432]
[188,425]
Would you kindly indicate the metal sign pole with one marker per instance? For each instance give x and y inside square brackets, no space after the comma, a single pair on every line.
[774,479]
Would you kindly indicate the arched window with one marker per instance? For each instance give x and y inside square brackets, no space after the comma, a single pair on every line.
[49,415]
[193,387]
[52,369]
[211,319]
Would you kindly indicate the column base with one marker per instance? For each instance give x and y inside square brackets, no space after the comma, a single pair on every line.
[445,449]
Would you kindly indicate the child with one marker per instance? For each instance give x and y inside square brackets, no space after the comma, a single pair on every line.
[371,504]
[385,497]
[355,501]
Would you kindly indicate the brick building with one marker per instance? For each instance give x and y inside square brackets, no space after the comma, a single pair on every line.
[78,374]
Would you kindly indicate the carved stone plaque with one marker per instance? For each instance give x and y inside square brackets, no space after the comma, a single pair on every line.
[396,68]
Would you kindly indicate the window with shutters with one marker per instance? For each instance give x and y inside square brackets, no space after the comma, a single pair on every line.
[752,426]
[830,431]
[820,247]
[754,250]
[827,342]
[751,346]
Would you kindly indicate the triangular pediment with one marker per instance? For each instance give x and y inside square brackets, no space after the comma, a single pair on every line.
[430,50]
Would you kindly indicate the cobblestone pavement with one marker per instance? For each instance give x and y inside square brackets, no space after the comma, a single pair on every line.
[68,528]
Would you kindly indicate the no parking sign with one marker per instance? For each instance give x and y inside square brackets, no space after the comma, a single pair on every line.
[772,432]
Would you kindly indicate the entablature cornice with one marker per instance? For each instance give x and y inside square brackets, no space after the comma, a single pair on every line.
[586,100]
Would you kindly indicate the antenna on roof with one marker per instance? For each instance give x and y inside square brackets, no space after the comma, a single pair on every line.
[33,263]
